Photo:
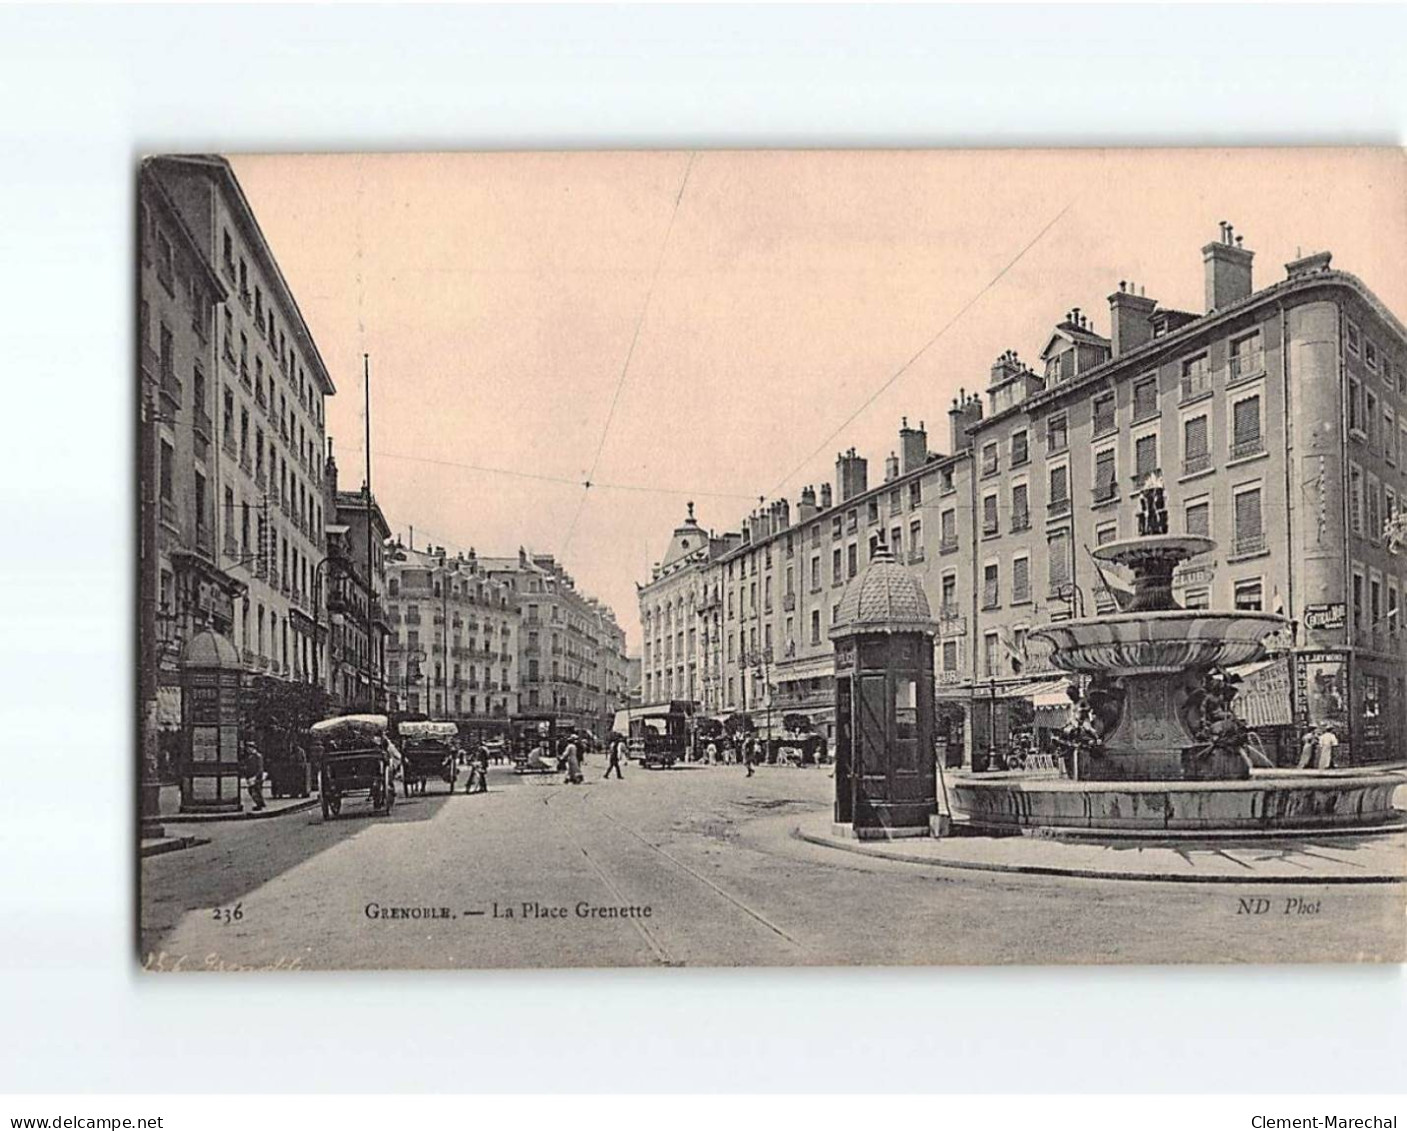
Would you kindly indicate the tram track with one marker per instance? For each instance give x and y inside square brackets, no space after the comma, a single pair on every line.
[732,899]
[652,941]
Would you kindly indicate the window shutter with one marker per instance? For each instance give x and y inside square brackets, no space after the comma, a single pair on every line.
[1195,436]
[1146,455]
[1247,514]
[1104,471]
[1247,423]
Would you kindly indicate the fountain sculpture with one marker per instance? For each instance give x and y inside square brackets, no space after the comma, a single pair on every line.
[1154,743]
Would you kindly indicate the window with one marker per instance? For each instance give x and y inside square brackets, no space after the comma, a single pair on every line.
[836,574]
[1355,406]
[1375,604]
[1249,537]
[948,531]
[990,654]
[1105,486]
[1358,598]
[1389,436]
[1197,517]
[1354,342]
[989,459]
[1020,448]
[1103,412]
[948,609]
[835,526]
[896,542]
[1145,398]
[945,481]
[168,470]
[1246,439]
[852,521]
[1020,507]
[1105,532]
[1370,354]
[1247,359]
[851,562]
[1355,499]
[916,540]
[1058,553]
[1196,377]
[1020,580]
[989,515]
[1392,608]
[950,655]
[227,254]
[1370,416]
[1145,456]
[1247,595]
[815,626]
[872,512]
[991,589]
[815,572]
[1375,507]
[1057,437]
[1196,449]
[1198,597]
[1059,490]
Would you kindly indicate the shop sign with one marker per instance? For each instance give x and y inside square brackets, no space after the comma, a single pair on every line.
[1326,618]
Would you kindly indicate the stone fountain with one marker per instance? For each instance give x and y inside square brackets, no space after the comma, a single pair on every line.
[1155,744]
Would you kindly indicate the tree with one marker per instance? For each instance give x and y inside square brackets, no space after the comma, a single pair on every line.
[799,724]
[739,723]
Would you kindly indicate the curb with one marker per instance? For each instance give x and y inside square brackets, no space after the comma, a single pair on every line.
[203,818]
[171,844]
[1088,873]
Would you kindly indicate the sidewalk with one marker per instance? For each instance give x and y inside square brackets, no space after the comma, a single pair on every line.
[171,808]
[160,845]
[1374,858]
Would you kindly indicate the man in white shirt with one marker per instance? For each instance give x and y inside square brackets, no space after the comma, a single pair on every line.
[1328,746]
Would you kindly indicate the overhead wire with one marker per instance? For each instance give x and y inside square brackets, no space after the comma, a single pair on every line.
[629,354]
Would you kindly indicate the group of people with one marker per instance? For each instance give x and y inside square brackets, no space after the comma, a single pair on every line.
[1318,746]
[748,751]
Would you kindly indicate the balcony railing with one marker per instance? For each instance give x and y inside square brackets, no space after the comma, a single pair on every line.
[915,555]
[1250,543]
[1020,520]
[1195,385]
[1244,366]
[200,420]
[1057,507]
[1196,463]
[1104,492]
[947,544]
[204,540]
[1244,449]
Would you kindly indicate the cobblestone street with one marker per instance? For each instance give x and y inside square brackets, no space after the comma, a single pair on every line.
[690,866]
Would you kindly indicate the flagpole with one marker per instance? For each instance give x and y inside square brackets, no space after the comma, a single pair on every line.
[370,574]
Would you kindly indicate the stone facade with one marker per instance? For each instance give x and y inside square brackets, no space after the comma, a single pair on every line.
[1275,420]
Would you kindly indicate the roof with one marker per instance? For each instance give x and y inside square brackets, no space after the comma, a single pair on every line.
[883,597]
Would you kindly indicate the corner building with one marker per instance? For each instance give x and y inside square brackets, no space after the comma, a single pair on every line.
[1274,420]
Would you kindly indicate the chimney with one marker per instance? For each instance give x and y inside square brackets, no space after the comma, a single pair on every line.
[851,474]
[826,503]
[1308,265]
[806,507]
[965,413]
[783,520]
[891,467]
[1004,369]
[1228,270]
[913,446]
[1129,319]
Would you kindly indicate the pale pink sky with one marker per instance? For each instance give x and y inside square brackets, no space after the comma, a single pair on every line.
[498,295]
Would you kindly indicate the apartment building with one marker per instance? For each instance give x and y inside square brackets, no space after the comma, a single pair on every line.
[455,629]
[571,650]
[251,417]
[1272,418]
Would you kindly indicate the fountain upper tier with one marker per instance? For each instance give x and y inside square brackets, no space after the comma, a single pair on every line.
[1133,642]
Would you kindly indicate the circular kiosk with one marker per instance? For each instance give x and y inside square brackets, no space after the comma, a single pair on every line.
[885,784]
[210,682]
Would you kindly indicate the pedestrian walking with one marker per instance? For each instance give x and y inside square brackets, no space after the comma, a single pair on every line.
[479,771]
[749,754]
[251,766]
[1328,746]
[712,753]
[1309,747]
[614,752]
[571,755]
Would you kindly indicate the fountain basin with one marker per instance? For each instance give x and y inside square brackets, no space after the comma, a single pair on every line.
[1271,801]
[1173,640]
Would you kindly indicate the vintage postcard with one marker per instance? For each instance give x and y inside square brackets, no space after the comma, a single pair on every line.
[771,558]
